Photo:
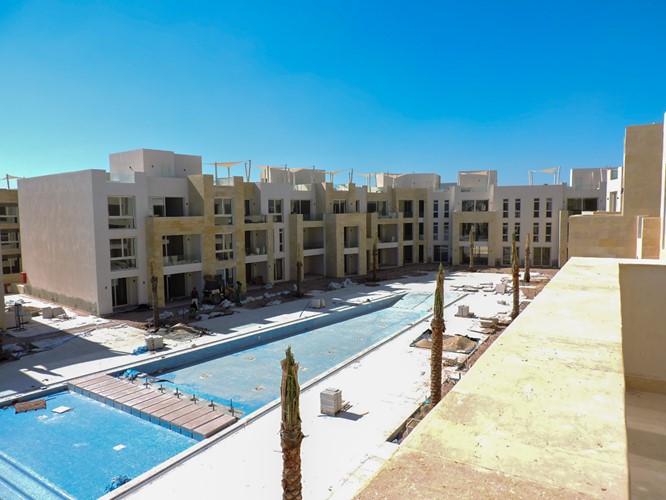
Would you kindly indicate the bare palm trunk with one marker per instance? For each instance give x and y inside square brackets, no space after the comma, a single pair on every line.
[153,286]
[471,251]
[290,429]
[515,278]
[374,261]
[528,252]
[299,271]
[437,327]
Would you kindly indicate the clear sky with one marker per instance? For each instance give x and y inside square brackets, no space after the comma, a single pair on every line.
[431,86]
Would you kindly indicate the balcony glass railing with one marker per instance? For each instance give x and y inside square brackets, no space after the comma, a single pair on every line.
[226,181]
[9,219]
[351,244]
[255,219]
[388,215]
[121,178]
[255,250]
[120,264]
[176,260]
[313,217]
[317,245]
[387,239]
[224,220]
[301,187]
[477,237]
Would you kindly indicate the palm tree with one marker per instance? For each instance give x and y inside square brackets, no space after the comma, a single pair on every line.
[526,275]
[374,261]
[299,273]
[290,429]
[153,286]
[471,251]
[515,278]
[437,327]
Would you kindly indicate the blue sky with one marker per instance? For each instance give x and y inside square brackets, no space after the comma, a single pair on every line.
[434,86]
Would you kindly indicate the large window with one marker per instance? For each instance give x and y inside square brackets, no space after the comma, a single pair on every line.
[11,264]
[505,208]
[549,207]
[441,253]
[480,230]
[223,212]
[505,231]
[278,270]
[535,232]
[578,205]
[475,205]
[8,213]
[435,209]
[123,253]
[435,231]
[301,207]
[541,256]
[280,242]
[339,206]
[224,247]
[516,230]
[549,231]
[121,212]
[275,207]
[506,256]
[446,209]
[10,239]
[537,202]
[516,205]
[446,231]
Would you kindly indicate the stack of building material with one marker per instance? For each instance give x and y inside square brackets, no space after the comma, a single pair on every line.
[331,401]
[154,342]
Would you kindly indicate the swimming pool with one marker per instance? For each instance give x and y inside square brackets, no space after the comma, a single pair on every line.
[225,379]
[77,454]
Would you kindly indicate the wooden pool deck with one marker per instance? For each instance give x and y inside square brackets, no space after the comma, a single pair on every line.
[195,419]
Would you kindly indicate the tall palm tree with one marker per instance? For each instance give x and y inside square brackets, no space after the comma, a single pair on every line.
[515,277]
[290,429]
[437,327]
[153,286]
[471,250]
[528,252]
[374,261]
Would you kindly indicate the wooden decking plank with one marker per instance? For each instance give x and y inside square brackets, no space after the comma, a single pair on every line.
[216,425]
[191,415]
[164,412]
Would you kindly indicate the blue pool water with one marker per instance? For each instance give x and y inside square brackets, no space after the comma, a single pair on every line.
[47,455]
[251,378]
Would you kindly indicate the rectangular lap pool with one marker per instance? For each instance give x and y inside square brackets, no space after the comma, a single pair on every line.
[79,453]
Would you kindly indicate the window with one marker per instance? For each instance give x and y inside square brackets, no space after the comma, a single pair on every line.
[468,206]
[280,245]
[121,212]
[446,209]
[475,205]
[223,211]
[275,207]
[441,253]
[8,213]
[535,232]
[9,239]
[536,207]
[339,206]
[278,270]
[506,256]
[123,254]
[435,231]
[516,205]
[300,207]
[549,207]
[613,173]
[578,205]
[516,230]
[435,209]
[247,205]
[541,256]
[505,208]
[505,231]
[224,247]
[480,230]
[446,231]
[549,230]
[11,264]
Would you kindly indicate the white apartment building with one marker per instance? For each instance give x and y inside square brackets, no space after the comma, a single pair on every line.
[93,239]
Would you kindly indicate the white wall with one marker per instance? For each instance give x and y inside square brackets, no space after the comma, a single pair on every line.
[59,247]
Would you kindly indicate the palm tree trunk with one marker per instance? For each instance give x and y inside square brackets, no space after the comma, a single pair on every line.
[437,327]
[153,286]
[515,278]
[290,429]
[526,275]
[374,261]
[471,251]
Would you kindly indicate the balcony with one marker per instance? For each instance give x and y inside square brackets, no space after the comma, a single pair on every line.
[226,181]
[121,178]
[177,260]
[224,220]
[255,219]
[388,215]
